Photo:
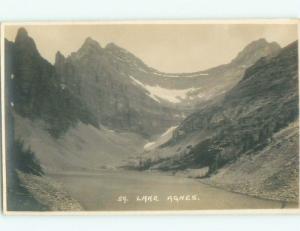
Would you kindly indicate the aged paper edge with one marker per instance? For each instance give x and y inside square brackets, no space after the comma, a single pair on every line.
[143,212]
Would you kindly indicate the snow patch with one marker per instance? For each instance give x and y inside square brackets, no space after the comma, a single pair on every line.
[171,95]
[168,131]
[163,138]
[178,75]
[148,145]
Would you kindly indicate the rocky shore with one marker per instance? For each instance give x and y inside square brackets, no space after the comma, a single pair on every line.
[49,193]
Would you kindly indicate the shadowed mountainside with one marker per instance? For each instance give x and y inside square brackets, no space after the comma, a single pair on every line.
[112,87]
[112,97]
[262,103]
[242,123]
[35,91]
[99,67]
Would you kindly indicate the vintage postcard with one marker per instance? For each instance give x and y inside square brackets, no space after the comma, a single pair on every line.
[177,116]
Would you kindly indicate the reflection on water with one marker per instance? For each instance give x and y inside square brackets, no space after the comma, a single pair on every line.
[129,190]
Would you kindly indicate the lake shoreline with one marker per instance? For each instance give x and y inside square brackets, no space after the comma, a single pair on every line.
[100,190]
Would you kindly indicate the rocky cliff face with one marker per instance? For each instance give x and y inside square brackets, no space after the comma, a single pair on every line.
[190,89]
[102,84]
[112,87]
[125,94]
[244,121]
[246,142]
[35,90]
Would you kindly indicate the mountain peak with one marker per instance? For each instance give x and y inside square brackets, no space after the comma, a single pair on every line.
[24,42]
[260,40]
[91,43]
[89,46]
[59,59]
[116,51]
[22,35]
[261,43]
[59,55]
[255,50]
[112,46]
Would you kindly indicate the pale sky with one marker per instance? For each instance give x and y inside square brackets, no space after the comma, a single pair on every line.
[165,47]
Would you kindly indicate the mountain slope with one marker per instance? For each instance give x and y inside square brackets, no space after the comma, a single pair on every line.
[125,94]
[268,173]
[85,89]
[115,100]
[34,88]
[261,104]
[182,90]
[82,148]
[186,90]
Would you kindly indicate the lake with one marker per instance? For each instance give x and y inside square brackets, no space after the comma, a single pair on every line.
[118,190]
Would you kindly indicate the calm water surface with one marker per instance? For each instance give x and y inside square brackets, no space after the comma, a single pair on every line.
[129,190]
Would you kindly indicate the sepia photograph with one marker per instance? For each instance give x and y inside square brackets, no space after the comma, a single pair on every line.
[150,116]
